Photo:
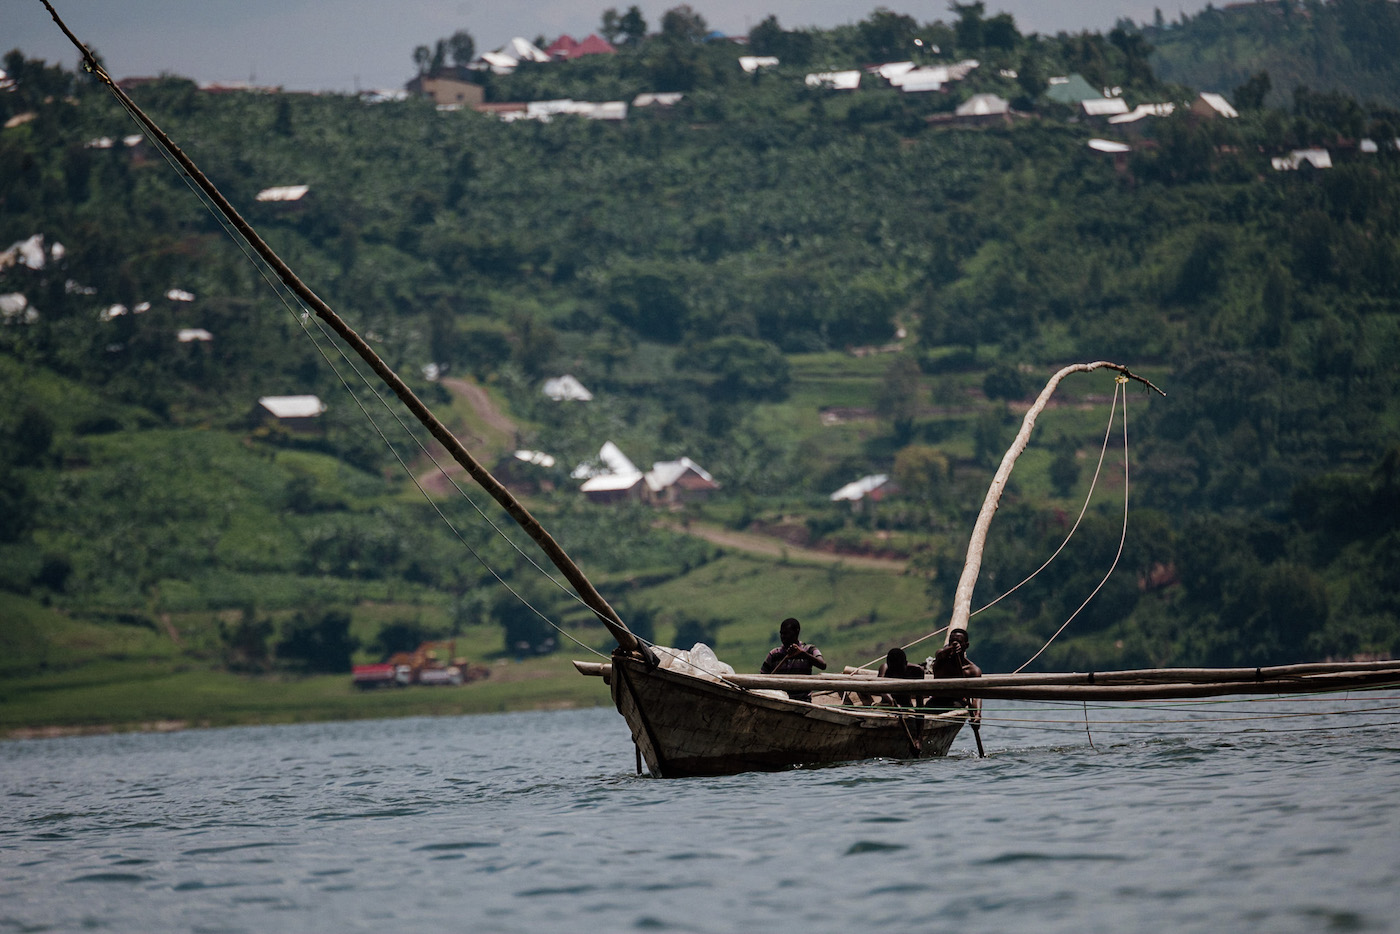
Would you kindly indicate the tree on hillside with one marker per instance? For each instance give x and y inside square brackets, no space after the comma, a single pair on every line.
[462,47]
[766,37]
[245,643]
[523,628]
[790,48]
[1000,32]
[888,36]
[989,435]
[17,506]
[318,646]
[28,442]
[1136,53]
[611,26]
[422,58]
[968,29]
[691,629]
[743,368]
[1251,94]
[898,398]
[683,24]
[1064,469]
[1004,382]
[401,636]
[633,26]
[922,472]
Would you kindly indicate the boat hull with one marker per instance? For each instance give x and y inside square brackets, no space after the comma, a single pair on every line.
[688,726]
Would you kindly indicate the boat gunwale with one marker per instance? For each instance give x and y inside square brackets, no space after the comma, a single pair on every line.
[831,713]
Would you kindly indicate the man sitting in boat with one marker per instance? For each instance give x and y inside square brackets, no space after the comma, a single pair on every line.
[951,661]
[793,657]
[896,665]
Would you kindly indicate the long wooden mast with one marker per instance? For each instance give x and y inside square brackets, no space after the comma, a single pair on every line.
[589,594]
[962,599]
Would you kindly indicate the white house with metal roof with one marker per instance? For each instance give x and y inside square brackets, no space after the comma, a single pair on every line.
[566,388]
[866,487]
[834,80]
[1313,158]
[1209,104]
[611,477]
[283,193]
[298,413]
[679,481]
[1103,106]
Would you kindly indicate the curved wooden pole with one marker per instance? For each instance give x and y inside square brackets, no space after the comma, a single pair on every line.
[962,598]
[589,594]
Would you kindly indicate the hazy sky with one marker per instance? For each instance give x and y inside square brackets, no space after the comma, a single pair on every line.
[347,44]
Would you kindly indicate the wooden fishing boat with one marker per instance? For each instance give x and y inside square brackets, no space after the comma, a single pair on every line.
[684,725]
[688,724]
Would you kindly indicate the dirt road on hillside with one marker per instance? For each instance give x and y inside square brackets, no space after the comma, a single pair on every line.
[481,403]
[765,545]
[433,479]
[770,547]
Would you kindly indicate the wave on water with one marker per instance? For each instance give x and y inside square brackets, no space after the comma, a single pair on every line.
[326,827]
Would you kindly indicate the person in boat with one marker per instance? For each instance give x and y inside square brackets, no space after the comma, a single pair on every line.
[793,657]
[896,665]
[951,661]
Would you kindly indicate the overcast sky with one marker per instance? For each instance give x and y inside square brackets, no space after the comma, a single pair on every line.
[343,45]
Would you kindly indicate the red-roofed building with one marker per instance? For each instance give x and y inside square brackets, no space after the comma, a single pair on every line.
[562,48]
[565,47]
[594,45]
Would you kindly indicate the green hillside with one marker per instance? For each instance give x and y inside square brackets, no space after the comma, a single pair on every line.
[1341,47]
[794,287]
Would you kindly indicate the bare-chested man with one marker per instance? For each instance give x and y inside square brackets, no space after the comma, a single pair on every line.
[896,665]
[951,661]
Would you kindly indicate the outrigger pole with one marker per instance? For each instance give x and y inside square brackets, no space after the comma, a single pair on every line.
[626,639]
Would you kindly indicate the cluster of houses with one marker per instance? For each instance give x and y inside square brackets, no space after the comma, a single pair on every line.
[456,88]
[31,253]
[611,477]
[36,253]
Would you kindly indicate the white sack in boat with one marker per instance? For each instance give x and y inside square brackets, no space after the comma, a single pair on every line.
[699,662]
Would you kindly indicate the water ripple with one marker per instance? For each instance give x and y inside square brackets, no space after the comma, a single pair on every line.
[127,877]
[873,846]
[327,827]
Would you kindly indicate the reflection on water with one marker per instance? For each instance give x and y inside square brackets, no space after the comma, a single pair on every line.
[1202,818]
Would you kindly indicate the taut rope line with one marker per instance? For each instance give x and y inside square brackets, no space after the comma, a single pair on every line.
[1122,538]
[1083,509]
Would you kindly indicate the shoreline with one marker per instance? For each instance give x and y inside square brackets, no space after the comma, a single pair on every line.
[173,725]
[95,729]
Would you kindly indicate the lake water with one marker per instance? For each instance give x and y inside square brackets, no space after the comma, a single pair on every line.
[1175,820]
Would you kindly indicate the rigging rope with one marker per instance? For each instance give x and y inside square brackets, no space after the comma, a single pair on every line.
[1119,386]
[1121,539]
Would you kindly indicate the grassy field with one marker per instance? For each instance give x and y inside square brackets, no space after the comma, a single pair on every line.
[90,662]
[70,675]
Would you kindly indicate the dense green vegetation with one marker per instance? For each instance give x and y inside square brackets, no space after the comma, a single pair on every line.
[1344,48]
[706,270]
